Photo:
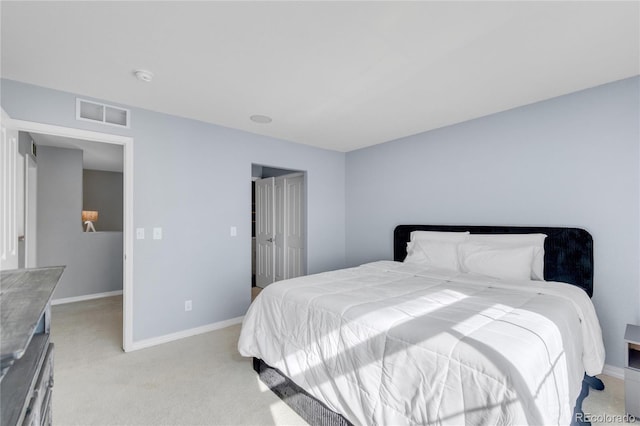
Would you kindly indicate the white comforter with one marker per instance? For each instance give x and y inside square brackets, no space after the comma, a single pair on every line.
[389,344]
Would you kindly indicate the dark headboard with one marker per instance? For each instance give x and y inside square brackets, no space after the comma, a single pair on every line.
[568,252]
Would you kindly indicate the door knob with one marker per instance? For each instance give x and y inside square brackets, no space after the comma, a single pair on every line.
[270,240]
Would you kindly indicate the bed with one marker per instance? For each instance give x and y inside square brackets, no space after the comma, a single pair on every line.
[394,342]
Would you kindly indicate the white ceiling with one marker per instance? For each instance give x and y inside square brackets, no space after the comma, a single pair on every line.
[338,75]
[95,155]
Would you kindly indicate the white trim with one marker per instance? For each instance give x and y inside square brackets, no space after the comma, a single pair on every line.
[127,143]
[154,341]
[612,371]
[64,300]
[70,132]
[127,301]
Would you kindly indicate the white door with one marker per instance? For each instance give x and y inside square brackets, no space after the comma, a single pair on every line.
[264,232]
[8,195]
[295,229]
[280,230]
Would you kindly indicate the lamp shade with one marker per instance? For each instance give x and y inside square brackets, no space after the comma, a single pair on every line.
[90,215]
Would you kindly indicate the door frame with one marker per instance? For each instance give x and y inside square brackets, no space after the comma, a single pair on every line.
[127,232]
[10,250]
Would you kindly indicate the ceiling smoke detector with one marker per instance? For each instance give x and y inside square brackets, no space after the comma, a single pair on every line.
[262,119]
[144,75]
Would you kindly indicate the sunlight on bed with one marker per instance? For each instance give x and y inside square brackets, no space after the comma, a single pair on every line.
[470,324]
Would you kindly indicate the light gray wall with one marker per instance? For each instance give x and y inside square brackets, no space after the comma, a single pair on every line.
[102,191]
[568,161]
[185,167]
[93,260]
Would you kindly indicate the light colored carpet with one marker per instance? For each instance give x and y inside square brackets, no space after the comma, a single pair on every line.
[200,380]
[606,407]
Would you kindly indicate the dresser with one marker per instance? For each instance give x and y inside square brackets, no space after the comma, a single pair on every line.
[26,353]
[632,370]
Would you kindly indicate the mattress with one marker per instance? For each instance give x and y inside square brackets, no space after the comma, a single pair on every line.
[391,343]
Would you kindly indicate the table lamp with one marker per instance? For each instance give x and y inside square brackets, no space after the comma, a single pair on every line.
[88,217]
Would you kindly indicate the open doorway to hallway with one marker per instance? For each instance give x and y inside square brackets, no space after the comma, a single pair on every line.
[79,216]
[278,219]
[125,145]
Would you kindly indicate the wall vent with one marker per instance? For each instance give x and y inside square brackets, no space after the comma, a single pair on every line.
[102,113]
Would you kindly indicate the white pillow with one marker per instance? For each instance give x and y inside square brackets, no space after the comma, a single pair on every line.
[505,263]
[517,240]
[520,239]
[414,254]
[439,236]
[436,254]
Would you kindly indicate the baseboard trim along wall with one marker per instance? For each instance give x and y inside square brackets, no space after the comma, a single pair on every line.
[85,297]
[612,371]
[146,343]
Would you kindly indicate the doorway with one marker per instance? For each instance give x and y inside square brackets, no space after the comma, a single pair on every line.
[80,214]
[278,225]
[127,228]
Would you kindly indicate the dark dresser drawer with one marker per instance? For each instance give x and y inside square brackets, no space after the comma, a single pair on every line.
[45,382]
[18,386]
[26,354]
[39,409]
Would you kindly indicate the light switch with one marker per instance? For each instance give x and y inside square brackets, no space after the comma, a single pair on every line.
[140,233]
[234,231]
[157,233]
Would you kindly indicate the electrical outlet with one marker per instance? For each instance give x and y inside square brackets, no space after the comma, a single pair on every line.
[157,233]
[140,233]
[187,305]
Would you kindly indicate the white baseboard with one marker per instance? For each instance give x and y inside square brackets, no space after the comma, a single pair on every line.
[146,343]
[85,297]
[612,371]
